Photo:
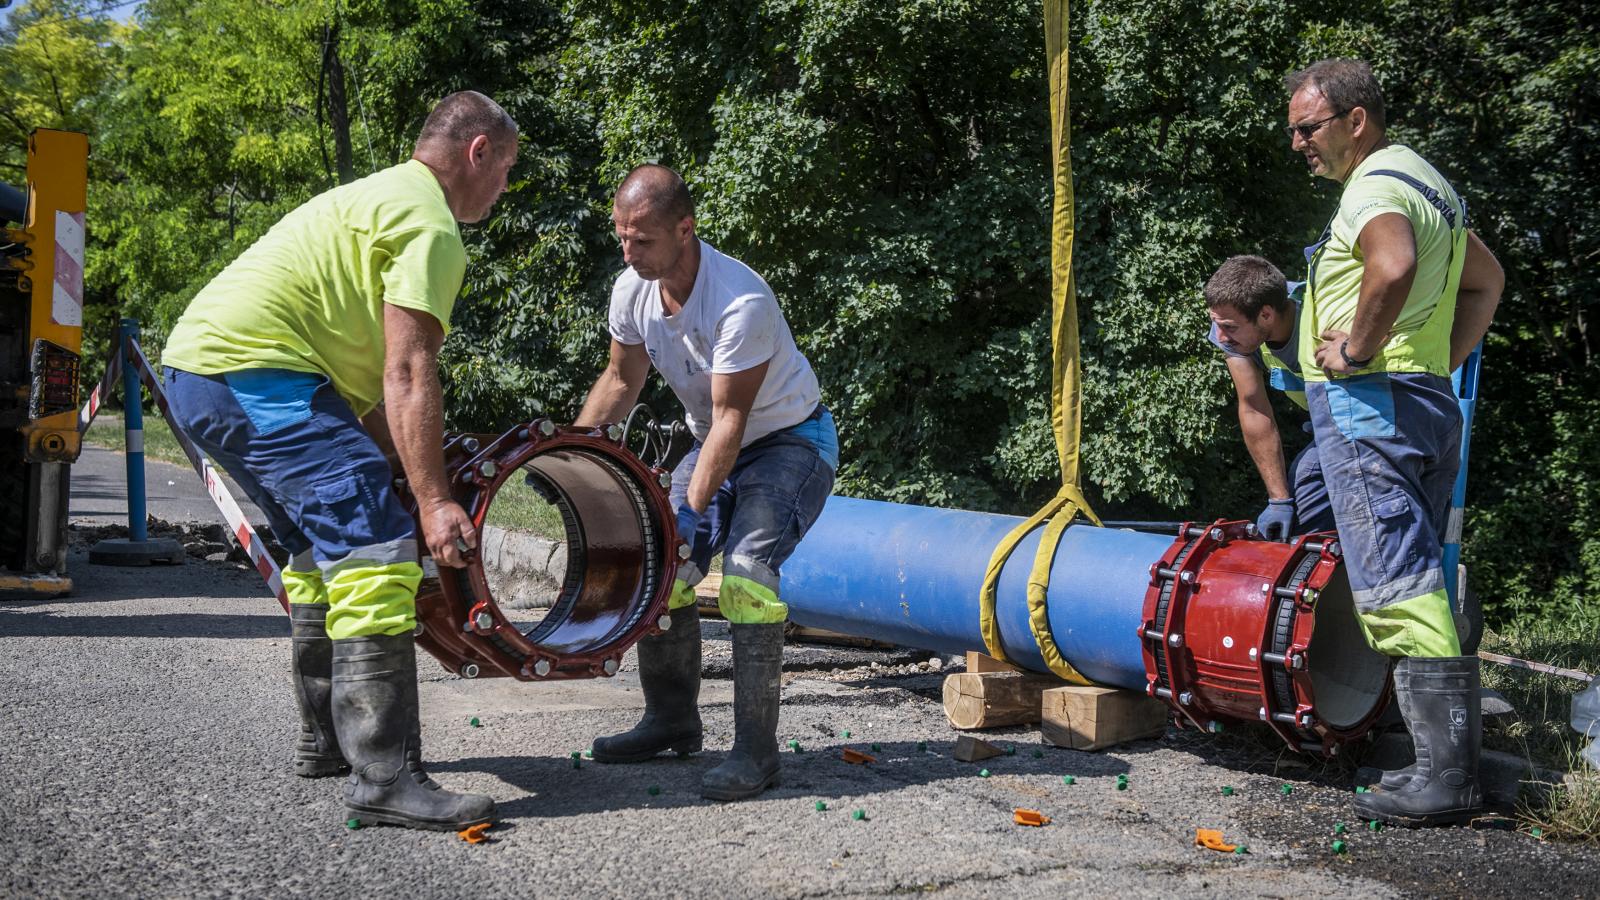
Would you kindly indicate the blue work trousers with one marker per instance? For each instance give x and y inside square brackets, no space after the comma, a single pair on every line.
[1389,447]
[774,494]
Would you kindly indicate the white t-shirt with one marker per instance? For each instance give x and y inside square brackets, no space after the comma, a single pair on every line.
[730,323]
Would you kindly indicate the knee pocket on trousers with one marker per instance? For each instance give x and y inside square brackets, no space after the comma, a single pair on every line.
[345,503]
[1396,532]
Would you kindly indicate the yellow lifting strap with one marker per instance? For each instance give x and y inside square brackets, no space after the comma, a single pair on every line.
[1065,389]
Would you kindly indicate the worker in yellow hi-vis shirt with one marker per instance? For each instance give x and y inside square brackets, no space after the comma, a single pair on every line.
[1398,293]
[308,370]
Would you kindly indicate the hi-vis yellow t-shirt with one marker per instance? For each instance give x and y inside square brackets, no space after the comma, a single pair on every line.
[309,295]
[1420,338]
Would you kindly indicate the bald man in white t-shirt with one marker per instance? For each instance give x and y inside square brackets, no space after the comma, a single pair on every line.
[757,477]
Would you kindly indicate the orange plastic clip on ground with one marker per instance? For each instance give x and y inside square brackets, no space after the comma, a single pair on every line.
[1030,817]
[475,834]
[1211,839]
[856,757]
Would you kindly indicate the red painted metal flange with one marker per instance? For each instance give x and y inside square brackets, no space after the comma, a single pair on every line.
[1230,632]
[622,555]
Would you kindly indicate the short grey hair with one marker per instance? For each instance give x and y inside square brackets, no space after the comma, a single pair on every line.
[464,115]
[1346,83]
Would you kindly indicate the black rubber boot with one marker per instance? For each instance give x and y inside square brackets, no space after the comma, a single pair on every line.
[317,754]
[752,764]
[1439,700]
[375,712]
[669,674]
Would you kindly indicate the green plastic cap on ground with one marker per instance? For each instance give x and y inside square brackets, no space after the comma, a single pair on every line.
[1340,846]
[858,815]
[1375,825]
[1360,789]
[1068,779]
[1338,828]
[1241,850]
[876,748]
[1011,750]
[352,824]
[821,806]
[655,791]
[845,733]
[922,746]
[474,722]
[1537,832]
[1286,790]
[1227,790]
[983,773]
[794,745]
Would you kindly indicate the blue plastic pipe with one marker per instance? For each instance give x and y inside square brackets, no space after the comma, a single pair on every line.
[911,575]
[133,430]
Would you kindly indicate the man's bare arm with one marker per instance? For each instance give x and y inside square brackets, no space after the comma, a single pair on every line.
[1482,282]
[617,388]
[1259,426]
[1389,251]
[415,414]
[732,397]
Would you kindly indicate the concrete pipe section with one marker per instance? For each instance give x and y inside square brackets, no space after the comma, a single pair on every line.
[1218,624]
[621,547]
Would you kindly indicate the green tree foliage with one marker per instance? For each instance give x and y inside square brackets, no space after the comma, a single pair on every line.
[54,63]
[886,167]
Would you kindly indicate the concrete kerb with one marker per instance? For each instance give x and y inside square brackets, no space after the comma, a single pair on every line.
[525,571]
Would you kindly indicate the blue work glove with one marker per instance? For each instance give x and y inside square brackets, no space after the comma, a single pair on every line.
[1276,520]
[688,523]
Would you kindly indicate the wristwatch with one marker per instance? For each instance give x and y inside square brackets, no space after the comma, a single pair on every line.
[1352,363]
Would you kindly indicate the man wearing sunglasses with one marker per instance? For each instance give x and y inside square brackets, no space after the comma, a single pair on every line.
[1398,293]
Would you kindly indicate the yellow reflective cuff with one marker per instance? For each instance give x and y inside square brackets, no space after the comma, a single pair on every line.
[304,587]
[371,600]
[1421,626]
[682,594]
[746,602]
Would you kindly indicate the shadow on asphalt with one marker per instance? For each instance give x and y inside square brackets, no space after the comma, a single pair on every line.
[558,791]
[17,620]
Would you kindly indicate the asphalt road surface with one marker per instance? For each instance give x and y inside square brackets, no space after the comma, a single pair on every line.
[149,730]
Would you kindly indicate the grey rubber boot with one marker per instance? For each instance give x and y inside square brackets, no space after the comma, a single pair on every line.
[1395,779]
[317,753]
[752,764]
[1439,700]
[669,674]
[376,715]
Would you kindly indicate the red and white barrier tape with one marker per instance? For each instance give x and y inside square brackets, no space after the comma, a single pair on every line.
[108,383]
[218,491]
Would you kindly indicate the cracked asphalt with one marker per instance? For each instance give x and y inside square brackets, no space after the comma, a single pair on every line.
[149,730]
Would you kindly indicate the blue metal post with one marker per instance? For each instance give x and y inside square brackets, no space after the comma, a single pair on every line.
[133,429]
[1466,384]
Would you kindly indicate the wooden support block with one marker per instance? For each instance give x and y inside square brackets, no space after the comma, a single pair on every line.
[994,699]
[978,663]
[971,749]
[705,595]
[1091,718]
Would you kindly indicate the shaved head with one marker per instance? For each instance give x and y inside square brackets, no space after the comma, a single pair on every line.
[461,117]
[655,190]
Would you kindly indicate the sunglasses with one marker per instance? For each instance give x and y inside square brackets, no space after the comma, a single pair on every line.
[1311,128]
